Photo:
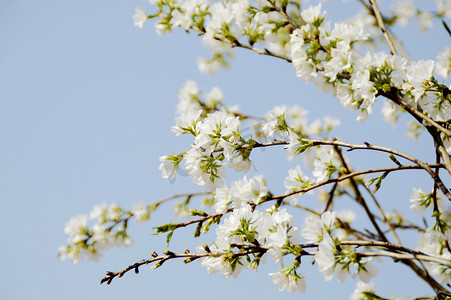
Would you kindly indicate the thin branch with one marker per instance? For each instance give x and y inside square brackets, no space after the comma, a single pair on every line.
[446,27]
[189,257]
[348,176]
[265,51]
[359,196]
[399,256]
[415,113]
[392,37]
[304,190]
[180,196]
[381,24]
[245,249]
[433,127]
[368,146]
[180,225]
[385,219]
[331,197]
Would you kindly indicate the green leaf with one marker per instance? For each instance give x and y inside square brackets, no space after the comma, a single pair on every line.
[206,226]
[378,181]
[165,228]
[303,145]
[169,237]
[195,212]
[198,230]
[393,159]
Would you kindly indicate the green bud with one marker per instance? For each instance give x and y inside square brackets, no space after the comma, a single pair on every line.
[168,252]
[206,248]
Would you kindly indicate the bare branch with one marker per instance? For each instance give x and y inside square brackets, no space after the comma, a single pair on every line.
[381,24]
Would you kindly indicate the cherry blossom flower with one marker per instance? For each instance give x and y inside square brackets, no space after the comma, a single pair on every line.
[287,279]
[141,212]
[140,17]
[443,64]
[296,181]
[361,290]
[325,164]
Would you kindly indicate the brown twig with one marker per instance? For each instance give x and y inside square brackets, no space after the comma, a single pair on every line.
[391,250]
[189,257]
[381,24]
[368,146]
[446,27]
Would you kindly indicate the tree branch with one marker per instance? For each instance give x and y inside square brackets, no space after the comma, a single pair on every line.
[381,24]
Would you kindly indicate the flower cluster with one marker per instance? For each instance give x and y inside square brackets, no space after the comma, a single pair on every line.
[241,193]
[218,142]
[253,223]
[272,231]
[109,230]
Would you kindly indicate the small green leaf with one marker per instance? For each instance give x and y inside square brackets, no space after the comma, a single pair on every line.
[165,228]
[195,212]
[206,226]
[198,230]
[303,145]
[169,237]
[378,181]
[393,159]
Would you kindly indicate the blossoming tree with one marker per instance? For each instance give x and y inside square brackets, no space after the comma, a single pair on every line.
[249,221]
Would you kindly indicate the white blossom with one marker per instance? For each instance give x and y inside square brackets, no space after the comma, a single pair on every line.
[349,32]
[404,11]
[189,98]
[443,65]
[325,258]
[360,288]
[247,191]
[215,95]
[315,228]
[76,228]
[187,123]
[275,124]
[141,212]
[99,211]
[240,218]
[218,130]
[444,7]
[418,74]
[426,20]
[240,164]
[304,66]
[215,264]
[325,164]
[417,203]
[223,198]
[287,281]
[340,61]
[312,13]
[204,170]
[296,181]
[140,17]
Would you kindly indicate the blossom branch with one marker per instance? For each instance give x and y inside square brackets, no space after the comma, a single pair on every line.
[385,219]
[265,51]
[367,146]
[351,175]
[419,116]
[188,257]
[359,196]
[246,249]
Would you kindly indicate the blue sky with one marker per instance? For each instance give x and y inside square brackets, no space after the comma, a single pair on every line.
[86,105]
